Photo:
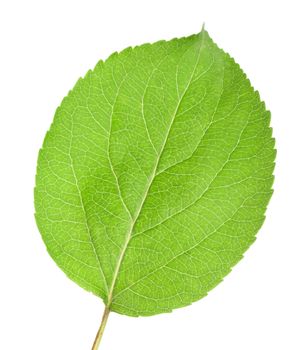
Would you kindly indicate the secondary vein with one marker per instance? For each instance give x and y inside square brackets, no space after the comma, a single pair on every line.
[84,210]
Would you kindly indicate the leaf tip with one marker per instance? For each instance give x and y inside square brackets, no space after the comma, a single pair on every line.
[202,31]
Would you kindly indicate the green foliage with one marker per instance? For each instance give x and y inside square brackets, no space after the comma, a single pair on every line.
[155,175]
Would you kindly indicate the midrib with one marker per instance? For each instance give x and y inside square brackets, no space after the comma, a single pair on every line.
[149,183]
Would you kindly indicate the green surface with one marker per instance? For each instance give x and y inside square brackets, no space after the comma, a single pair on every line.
[155,175]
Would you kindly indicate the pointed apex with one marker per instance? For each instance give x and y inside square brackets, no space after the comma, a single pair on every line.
[202,31]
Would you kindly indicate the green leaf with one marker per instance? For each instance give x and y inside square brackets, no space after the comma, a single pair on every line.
[154,177]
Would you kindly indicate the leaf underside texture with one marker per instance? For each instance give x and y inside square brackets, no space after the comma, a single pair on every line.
[155,175]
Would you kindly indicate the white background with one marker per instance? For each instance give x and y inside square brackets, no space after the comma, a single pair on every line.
[45,46]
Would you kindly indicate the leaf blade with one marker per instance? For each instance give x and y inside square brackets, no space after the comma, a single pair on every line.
[171,154]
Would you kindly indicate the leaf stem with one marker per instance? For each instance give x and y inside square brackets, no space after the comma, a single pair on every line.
[101,328]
